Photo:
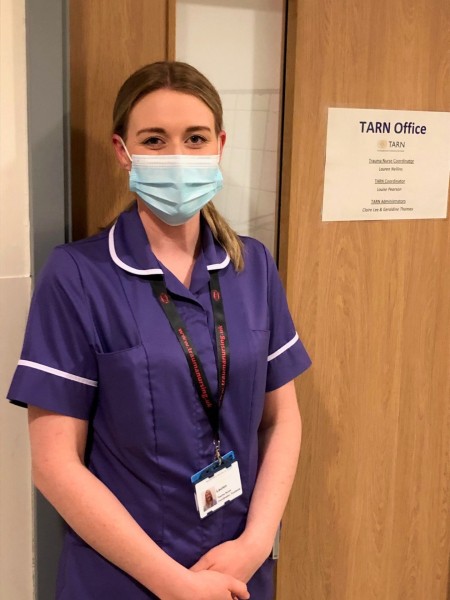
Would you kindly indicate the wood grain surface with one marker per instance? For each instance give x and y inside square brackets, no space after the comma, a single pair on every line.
[109,39]
[369,516]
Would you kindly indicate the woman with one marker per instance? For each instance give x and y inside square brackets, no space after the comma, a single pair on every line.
[153,351]
[210,501]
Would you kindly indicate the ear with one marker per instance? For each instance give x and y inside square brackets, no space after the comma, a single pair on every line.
[222,139]
[121,154]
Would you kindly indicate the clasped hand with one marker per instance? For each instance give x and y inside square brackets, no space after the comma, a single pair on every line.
[233,558]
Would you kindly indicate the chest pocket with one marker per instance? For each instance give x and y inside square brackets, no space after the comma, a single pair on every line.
[124,450]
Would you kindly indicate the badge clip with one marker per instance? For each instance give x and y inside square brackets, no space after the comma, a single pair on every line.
[217,454]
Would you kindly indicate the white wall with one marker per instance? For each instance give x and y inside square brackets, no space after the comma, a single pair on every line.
[238,46]
[16,575]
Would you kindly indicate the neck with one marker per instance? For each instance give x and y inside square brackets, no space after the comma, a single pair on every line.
[176,247]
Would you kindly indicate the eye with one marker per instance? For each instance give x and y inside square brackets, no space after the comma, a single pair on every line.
[153,142]
[196,139]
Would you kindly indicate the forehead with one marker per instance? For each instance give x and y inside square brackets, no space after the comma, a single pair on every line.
[169,109]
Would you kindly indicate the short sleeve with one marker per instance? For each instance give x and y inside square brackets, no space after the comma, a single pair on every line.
[57,369]
[287,356]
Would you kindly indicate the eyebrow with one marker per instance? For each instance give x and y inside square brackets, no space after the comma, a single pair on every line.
[161,130]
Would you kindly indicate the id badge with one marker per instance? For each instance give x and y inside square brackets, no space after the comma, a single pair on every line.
[217,484]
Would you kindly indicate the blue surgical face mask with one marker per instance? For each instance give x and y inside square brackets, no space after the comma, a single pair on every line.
[175,187]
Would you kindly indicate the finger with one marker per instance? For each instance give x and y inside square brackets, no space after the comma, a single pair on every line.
[239,589]
[201,565]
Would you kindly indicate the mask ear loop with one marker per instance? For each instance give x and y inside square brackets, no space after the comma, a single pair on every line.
[126,149]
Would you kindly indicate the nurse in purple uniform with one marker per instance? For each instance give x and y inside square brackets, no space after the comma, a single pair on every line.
[159,357]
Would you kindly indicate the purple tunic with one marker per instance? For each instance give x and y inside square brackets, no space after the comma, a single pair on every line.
[99,347]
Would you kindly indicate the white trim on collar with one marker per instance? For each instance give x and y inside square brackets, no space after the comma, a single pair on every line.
[124,266]
[221,265]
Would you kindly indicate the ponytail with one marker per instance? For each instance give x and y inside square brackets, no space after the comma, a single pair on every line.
[225,235]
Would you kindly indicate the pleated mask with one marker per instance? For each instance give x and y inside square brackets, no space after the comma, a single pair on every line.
[175,187]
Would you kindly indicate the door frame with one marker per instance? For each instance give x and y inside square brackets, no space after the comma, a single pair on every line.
[49,192]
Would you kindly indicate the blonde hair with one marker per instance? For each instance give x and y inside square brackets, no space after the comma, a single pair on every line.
[184,78]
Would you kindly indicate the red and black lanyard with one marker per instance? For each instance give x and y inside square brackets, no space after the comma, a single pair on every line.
[211,404]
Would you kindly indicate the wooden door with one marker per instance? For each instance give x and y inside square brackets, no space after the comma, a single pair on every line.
[109,39]
[369,516]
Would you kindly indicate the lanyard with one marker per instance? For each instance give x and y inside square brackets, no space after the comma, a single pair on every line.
[211,405]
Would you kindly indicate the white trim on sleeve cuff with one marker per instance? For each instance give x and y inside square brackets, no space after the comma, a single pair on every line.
[283,348]
[52,371]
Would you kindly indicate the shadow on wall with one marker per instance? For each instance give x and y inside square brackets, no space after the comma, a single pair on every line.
[238,46]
